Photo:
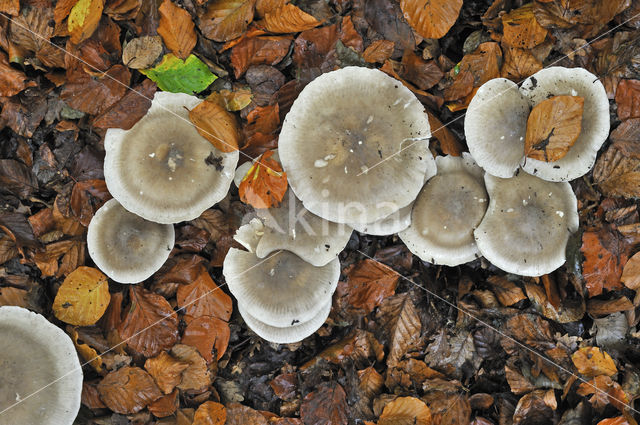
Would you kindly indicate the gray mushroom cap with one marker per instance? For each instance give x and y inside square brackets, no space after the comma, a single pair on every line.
[446,212]
[162,169]
[40,372]
[126,247]
[339,129]
[391,224]
[289,334]
[527,224]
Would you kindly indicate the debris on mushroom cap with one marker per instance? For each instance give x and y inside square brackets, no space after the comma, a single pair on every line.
[126,247]
[292,227]
[393,223]
[446,212]
[556,81]
[282,289]
[162,169]
[288,334]
[527,224]
[354,146]
[40,372]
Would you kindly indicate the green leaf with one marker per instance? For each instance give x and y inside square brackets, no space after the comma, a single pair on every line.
[177,76]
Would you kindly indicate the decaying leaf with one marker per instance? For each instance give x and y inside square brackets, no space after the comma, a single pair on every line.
[238,414]
[259,51]
[288,18]
[166,371]
[210,413]
[265,184]
[398,317]
[128,390]
[94,95]
[368,283]
[207,334]
[12,81]
[431,18]
[327,404]
[521,29]
[226,19]
[84,19]
[605,254]
[631,272]
[217,125]
[553,127]
[202,297]
[87,353]
[165,405]
[83,297]
[233,100]
[535,407]
[196,376]
[519,64]
[142,52]
[628,99]
[508,293]
[605,391]
[126,112]
[593,361]
[378,51]
[177,29]
[406,411]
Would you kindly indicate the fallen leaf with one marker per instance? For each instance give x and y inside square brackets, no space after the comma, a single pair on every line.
[620,420]
[631,272]
[508,293]
[127,111]
[264,6]
[16,226]
[628,99]
[605,254]
[521,29]
[535,407]
[326,405]
[217,125]
[431,18]
[86,197]
[195,377]
[83,297]
[398,317]
[166,371]
[69,254]
[210,413]
[177,76]
[519,64]
[202,297]
[368,284]
[359,346]
[90,396]
[268,50]
[265,184]
[165,405]
[177,29]
[605,391]
[12,81]
[406,411]
[553,127]
[84,18]
[17,178]
[424,74]
[449,143]
[31,30]
[11,7]
[128,390]
[378,51]
[285,386]
[233,100]
[8,248]
[88,354]
[142,52]
[150,325]
[238,414]
[288,18]
[593,361]
[226,20]
[606,307]
[94,95]
[207,333]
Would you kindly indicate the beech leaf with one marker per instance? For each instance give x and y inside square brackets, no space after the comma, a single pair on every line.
[84,19]
[226,20]
[203,297]
[265,183]
[631,272]
[406,411]
[431,18]
[166,370]
[210,413]
[128,390]
[288,18]
[593,361]
[521,29]
[83,297]
[217,125]
[178,76]
[176,29]
[206,333]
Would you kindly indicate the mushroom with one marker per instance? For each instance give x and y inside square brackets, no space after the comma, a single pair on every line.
[352,146]
[393,223]
[527,225]
[496,121]
[446,212]
[162,169]
[40,372]
[289,334]
[127,248]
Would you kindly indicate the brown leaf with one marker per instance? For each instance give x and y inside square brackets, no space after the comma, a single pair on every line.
[232,100]
[398,317]
[210,413]
[553,127]
[288,18]
[379,51]
[195,377]
[368,283]
[371,382]
[127,111]
[150,325]
[264,6]
[83,19]
[203,297]
[424,74]
[31,30]
[86,197]
[70,253]
[620,420]
[226,20]
[128,390]
[449,143]
[284,386]
[265,184]
[521,29]
[206,333]
[8,248]
[606,307]
[535,407]
[519,64]
[508,293]
[217,125]
[83,297]
[94,95]
[617,172]
[327,405]
[238,414]
[431,18]
[17,178]
[593,361]
[605,391]
[166,370]
[142,52]
[16,226]
[605,255]
[259,51]
[11,7]
[165,405]
[628,99]
[631,272]
[406,411]
[177,29]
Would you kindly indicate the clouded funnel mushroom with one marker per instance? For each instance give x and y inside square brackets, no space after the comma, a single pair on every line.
[527,224]
[162,169]
[40,374]
[127,248]
[339,129]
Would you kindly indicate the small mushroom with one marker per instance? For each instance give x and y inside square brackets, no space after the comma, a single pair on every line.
[126,247]
[40,374]
[353,146]
[527,224]
[446,212]
[289,334]
[162,169]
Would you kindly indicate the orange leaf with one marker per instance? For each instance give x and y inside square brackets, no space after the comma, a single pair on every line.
[406,411]
[593,361]
[225,20]
[519,64]
[177,29]
[631,273]
[449,143]
[165,405]
[326,405]
[210,413]
[288,18]
[206,333]
[605,391]
[166,370]
[233,100]
[521,29]
[217,125]
[204,298]
[265,6]
[628,99]
[258,51]
[368,284]
[378,51]
[553,127]
[12,81]
[83,297]
[84,18]
[128,390]
[605,254]
[265,183]
[431,18]
[620,420]
[11,7]
[87,353]
[196,376]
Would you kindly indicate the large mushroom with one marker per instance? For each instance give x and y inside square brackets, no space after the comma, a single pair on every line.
[353,146]
[40,374]
[162,169]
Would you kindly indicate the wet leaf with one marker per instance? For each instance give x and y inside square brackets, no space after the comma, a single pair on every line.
[203,297]
[210,413]
[449,353]
[521,29]
[593,361]
[177,29]
[327,405]
[178,76]
[217,125]
[207,333]
[12,81]
[398,317]
[605,307]
[83,297]
[378,51]
[406,411]
[620,420]
[605,391]
[166,371]
[431,18]
[258,51]
[94,95]
[628,99]
[519,64]
[605,255]
[631,272]
[195,377]
[128,390]
[265,184]
[84,19]
[368,284]
[553,127]
[127,111]
[288,18]
[226,20]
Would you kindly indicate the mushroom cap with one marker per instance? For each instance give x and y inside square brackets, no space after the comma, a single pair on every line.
[39,365]
[282,289]
[447,211]
[292,227]
[289,334]
[393,223]
[162,169]
[348,146]
[557,81]
[527,224]
[495,126]
[240,172]
[126,247]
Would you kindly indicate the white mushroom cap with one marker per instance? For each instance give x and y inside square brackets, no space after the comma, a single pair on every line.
[289,334]
[447,211]
[348,146]
[292,227]
[527,224]
[248,235]
[282,289]
[557,81]
[38,365]
[394,223]
[127,248]
[241,171]
[162,169]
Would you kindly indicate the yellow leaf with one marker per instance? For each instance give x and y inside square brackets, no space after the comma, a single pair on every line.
[288,18]
[593,361]
[217,125]
[84,19]
[86,352]
[83,297]
[431,18]
[232,100]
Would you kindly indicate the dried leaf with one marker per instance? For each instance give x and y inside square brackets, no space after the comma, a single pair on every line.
[620,420]
[166,370]
[12,81]
[399,318]
[258,51]
[84,19]
[519,64]
[8,248]
[128,390]
[165,405]
[605,255]
[628,99]
[195,377]
[265,184]
[226,20]
[177,29]
[288,18]
[535,407]
[217,125]
[127,111]
[368,283]
[406,411]
[449,143]
[431,18]
[233,100]
[631,272]
[553,127]
[327,405]
[69,252]
[378,51]
[83,297]
[605,391]
[17,178]
[238,414]
[88,354]
[203,297]
[94,95]
[508,293]
[210,413]
[142,52]
[86,197]
[11,7]
[593,361]
[521,29]
[207,333]
[606,307]
[31,30]
[424,74]
[17,227]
